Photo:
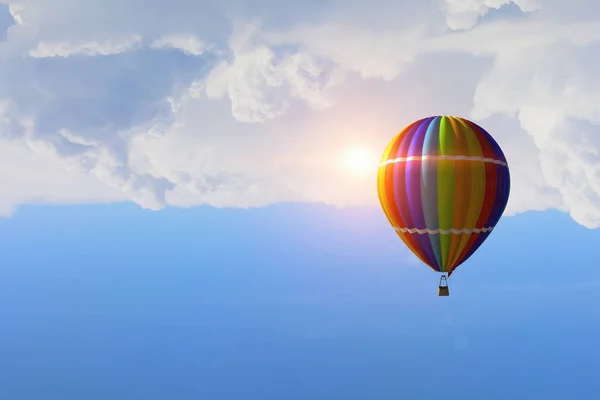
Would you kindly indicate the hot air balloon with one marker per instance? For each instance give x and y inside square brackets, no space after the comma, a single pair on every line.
[443,184]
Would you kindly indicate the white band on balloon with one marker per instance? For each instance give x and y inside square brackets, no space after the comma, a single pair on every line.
[443,231]
[437,158]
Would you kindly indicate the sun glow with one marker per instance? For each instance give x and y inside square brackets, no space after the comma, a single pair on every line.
[360,160]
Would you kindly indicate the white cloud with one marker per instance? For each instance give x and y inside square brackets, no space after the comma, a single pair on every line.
[189,44]
[256,79]
[464,14]
[15,9]
[100,160]
[263,112]
[37,176]
[369,52]
[93,48]
[558,103]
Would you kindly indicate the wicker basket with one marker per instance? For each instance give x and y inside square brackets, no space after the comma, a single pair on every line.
[443,288]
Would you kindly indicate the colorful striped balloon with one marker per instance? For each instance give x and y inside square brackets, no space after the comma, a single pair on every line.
[443,184]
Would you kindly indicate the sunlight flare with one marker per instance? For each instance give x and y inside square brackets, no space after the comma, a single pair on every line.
[360,160]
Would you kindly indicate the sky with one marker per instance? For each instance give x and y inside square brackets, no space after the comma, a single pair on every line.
[189,206]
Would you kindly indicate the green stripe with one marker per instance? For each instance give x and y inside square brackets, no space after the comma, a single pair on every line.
[445,186]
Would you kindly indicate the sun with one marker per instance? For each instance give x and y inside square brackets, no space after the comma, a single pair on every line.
[360,160]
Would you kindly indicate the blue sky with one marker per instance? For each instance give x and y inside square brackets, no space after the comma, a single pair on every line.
[117,302]
[188,205]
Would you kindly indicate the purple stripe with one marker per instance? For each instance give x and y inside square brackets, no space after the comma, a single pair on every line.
[502,193]
[413,188]
[413,176]
[400,188]
[400,176]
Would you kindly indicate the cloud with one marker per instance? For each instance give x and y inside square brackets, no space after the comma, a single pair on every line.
[93,48]
[259,83]
[189,44]
[557,101]
[6,20]
[34,175]
[464,14]
[261,104]
[370,53]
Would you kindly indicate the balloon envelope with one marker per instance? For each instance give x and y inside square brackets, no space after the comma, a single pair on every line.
[443,184]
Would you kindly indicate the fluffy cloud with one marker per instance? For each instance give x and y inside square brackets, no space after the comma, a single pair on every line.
[557,101]
[464,14]
[253,111]
[258,82]
[31,174]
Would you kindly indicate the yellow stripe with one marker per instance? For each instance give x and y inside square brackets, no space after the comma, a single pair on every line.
[383,196]
[381,189]
[386,153]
